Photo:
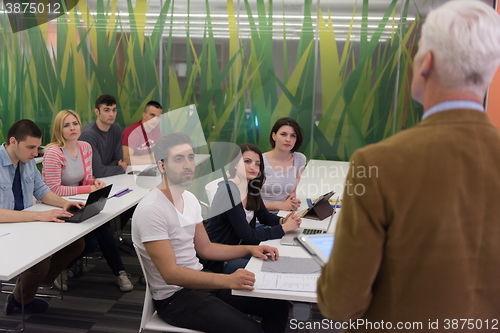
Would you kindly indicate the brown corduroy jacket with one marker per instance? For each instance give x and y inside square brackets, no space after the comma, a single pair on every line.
[418,236]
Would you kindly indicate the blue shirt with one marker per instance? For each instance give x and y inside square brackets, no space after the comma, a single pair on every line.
[451,105]
[31,181]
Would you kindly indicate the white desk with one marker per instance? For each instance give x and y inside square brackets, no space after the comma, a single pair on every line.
[30,242]
[255,266]
[129,181]
[319,177]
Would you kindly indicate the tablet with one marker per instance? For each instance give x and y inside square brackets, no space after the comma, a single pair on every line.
[318,246]
[320,208]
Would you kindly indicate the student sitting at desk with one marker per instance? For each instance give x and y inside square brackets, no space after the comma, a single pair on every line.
[238,204]
[20,182]
[105,136]
[168,231]
[283,165]
[67,170]
[139,138]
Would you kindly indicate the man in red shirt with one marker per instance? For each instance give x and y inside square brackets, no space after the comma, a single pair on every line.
[139,138]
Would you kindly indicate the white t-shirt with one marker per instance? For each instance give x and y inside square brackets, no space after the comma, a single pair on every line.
[250,214]
[156,218]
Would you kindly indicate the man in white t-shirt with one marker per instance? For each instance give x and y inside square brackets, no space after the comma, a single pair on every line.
[168,231]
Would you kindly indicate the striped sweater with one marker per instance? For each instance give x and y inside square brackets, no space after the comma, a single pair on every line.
[54,163]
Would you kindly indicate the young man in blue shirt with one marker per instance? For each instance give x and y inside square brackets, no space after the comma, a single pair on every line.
[20,180]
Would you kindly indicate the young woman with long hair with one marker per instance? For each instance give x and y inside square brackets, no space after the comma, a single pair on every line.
[283,166]
[238,204]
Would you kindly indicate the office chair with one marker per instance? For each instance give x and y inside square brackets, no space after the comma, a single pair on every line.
[211,189]
[150,319]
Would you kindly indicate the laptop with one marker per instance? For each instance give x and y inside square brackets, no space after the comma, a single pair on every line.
[318,246]
[289,238]
[95,203]
[150,171]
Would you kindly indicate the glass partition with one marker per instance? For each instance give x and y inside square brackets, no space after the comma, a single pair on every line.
[341,68]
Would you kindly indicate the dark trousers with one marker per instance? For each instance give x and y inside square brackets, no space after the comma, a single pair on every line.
[126,216]
[218,311]
[105,238]
[46,271]
[232,266]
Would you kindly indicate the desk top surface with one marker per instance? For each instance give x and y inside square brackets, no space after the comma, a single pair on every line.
[30,242]
[255,266]
[318,178]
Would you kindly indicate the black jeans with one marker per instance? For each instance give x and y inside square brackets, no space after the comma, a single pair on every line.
[217,311]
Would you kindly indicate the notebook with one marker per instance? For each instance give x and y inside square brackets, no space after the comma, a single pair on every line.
[289,238]
[95,203]
[116,190]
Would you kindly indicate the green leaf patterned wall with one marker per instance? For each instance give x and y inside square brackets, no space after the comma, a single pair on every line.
[347,87]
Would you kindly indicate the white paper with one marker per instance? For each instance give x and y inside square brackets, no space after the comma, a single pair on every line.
[290,282]
[116,189]
[79,197]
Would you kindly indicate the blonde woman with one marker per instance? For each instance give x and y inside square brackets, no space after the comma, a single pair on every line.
[67,170]
[67,162]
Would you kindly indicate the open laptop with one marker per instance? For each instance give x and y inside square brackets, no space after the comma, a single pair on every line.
[150,171]
[95,203]
[289,238]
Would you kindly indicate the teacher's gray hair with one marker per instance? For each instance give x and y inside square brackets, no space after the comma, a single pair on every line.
[464,36]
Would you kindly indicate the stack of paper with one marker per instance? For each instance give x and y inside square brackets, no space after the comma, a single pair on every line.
[284,281]
[287,273]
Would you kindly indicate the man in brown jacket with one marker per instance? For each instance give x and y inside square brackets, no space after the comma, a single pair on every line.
[417,245]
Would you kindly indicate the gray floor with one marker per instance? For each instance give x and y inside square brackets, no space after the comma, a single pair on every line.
[94,304]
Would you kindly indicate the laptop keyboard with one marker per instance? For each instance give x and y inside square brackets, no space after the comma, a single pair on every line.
[77,214]
[313,231]
[74,209]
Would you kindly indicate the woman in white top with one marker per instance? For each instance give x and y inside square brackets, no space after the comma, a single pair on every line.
[283,166]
